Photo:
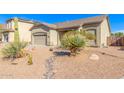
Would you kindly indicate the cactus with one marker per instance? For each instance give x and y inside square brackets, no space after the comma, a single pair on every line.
[30,62]
[16,33]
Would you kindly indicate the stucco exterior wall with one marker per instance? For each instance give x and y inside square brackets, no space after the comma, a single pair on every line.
[54,40]
[24,31]
[11,36]
[105,32]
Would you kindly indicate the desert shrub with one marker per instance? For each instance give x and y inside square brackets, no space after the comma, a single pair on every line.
[89,36]
[73,41]
[118,34]
[14,50]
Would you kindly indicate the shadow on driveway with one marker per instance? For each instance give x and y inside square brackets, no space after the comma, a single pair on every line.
[61,53]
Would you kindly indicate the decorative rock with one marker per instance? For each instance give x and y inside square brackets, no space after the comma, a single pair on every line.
[49,68]
[94,57]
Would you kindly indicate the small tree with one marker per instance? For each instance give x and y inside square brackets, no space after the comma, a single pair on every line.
[118,34]
[74,40]
[14,50]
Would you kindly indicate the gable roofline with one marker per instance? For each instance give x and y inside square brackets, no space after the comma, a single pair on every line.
[36,23]
[80,22]
[108,24]
[52,26]
[23,20]
[67,24]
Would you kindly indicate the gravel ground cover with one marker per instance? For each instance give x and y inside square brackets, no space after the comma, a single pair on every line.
[110,65]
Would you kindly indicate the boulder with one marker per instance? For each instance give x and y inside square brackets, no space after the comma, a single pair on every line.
[94,57]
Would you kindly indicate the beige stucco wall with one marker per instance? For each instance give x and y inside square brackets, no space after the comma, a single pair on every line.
[23,28]
[24,31]
[11,36]
[54,40]
[105,32]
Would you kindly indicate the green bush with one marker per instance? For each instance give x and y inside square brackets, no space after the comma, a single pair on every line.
[118,34]
[14,50]
[73,41]
[90,36]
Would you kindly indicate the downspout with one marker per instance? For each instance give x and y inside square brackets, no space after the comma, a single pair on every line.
[100,36]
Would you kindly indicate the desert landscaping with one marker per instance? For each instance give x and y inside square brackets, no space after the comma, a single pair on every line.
[79,54]
[107,63]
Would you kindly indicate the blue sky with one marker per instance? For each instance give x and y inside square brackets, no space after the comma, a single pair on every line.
[116,20]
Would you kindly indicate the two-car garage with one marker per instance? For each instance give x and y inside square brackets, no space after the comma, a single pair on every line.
[44,35]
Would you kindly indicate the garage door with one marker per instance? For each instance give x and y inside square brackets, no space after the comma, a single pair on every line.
[40,39]
[92,42]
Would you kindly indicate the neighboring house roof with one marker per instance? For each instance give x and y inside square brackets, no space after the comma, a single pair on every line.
[7,30]
[3,28]
[80,22]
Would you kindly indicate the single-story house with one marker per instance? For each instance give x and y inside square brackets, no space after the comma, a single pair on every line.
[40,33]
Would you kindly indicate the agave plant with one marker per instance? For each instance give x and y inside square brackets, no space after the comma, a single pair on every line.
[74,40]
[14,50]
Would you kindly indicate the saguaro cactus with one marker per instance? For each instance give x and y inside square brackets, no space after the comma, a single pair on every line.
[16,33]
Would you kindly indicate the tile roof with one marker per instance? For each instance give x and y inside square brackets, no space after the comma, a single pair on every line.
[80,22]
[67,24]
